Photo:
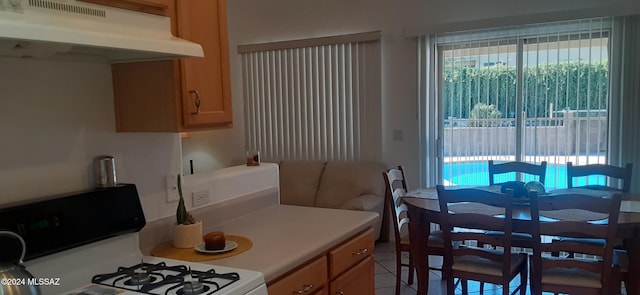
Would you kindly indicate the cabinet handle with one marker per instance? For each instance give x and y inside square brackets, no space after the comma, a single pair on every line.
[361,252]
[197,101]
[305,289]
[340,293]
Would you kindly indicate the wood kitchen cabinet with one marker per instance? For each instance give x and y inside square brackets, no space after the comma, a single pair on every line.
[351,266]
[357,280]
[184,95]
[307,279]
[346,269]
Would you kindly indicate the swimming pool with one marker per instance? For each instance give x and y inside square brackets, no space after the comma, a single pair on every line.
[477,173]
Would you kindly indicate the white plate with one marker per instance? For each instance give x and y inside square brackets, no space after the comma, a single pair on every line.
[228,246]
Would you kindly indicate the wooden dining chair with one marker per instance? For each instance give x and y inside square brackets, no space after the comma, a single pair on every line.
[536,170]
[520,240]
[471,212]
[614,175]
[617,179]
[583,218]
[396,188]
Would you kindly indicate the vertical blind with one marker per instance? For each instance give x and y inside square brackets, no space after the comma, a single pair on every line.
[533,93]
[314,99]
[625,79]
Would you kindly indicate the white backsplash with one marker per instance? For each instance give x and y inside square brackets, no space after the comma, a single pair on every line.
[233,191]
[231,182]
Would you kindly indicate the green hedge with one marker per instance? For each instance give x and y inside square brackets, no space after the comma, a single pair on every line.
[570,85]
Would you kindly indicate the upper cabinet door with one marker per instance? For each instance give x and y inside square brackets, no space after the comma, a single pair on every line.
[206,88]
[185,95]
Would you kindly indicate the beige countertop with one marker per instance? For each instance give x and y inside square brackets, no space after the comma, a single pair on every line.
[286,236]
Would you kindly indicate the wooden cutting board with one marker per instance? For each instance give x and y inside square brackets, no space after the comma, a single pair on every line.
[166,250]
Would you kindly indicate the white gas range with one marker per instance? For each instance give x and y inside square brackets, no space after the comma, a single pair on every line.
[88,243]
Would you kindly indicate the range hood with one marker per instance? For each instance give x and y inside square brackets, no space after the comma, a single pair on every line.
[69,28]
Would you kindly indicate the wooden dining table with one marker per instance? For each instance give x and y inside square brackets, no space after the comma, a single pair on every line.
[423,210]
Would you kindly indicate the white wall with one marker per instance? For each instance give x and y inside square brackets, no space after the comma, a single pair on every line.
[55,117]
[257,21]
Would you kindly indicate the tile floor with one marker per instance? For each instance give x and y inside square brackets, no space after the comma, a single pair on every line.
[385,257]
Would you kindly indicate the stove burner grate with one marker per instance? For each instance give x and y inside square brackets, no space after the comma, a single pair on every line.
[162,279]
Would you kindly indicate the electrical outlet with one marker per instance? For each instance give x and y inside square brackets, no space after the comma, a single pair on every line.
[200,198]
[172,189]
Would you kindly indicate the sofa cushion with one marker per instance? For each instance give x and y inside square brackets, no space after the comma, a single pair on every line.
[341,182]
[299,182]
[368,202]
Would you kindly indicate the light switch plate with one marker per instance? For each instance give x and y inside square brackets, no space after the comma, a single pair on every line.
[172,189]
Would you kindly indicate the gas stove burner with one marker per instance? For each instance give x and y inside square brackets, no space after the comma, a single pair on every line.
[161,279]
[193,288]
[137,275]
[170,280]
[139,278]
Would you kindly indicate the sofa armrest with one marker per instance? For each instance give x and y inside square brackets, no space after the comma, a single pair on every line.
[368,202]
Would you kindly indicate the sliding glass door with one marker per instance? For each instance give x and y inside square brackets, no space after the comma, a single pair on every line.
[533,95]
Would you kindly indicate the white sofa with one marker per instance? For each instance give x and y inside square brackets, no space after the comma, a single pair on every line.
[338,185]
